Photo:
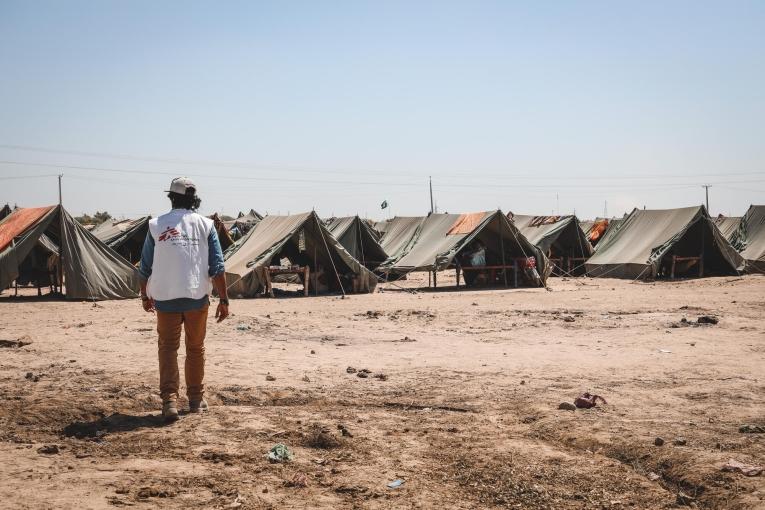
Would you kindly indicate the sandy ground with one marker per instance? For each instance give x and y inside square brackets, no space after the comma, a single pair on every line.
[468,415]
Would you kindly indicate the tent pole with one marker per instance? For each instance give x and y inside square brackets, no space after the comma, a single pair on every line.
[326,246]
[502,248]
[361,242]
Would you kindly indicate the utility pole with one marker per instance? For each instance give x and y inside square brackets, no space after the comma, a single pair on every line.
[430,182]
[557,204]
[59,188]
[706,190]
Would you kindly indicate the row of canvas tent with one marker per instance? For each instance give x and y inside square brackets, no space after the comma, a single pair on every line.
[643,244]
[342,251]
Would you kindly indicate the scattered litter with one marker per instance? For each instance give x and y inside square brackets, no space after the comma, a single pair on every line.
[48,449]
[306,379]
[243,327]
[566,406]
[351,370]
[319,436]
[363,374]
[707,319]
[735,466]
[298,481]
[653,476]
[684,499]
[752,429]
[665,351]
[381,376]
[395,484]
[313,352]
[680,441]
[568,318]
[18,343]
[344,431]
[269,377]
[280,453]
[587,400]
[658,441]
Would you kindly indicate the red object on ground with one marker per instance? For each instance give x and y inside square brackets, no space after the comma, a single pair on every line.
[587,400]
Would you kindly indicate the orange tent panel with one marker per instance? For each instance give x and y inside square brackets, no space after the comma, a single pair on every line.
[19,221]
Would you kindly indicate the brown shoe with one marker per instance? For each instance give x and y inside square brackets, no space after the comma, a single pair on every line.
[198,406]
[170,411]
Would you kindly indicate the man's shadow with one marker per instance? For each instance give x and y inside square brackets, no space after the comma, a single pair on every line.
[116,422]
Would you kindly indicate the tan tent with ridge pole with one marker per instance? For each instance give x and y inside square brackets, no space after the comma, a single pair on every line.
[126,237]
[728,225]
[749,239]
[305,242]
[91,270]
[559,237]
[359,239]
[666,243]
[436,242]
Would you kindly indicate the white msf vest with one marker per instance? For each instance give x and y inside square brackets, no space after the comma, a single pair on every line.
[181,267]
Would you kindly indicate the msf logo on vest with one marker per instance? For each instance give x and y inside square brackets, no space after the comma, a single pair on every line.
[177,238]
[169,234]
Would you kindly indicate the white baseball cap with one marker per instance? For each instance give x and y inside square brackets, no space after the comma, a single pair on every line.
[181,184]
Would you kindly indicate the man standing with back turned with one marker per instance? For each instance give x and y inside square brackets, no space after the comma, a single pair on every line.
[180,263]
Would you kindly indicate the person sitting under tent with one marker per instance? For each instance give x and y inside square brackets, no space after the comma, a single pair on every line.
[474,256]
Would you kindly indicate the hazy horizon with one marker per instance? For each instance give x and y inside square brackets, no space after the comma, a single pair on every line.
[531,108]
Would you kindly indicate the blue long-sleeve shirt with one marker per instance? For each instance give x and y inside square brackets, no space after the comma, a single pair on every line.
[215,263]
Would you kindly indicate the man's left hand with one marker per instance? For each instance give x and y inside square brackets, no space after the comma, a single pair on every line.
[221,312]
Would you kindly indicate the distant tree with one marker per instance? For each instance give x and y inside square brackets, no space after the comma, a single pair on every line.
[98,218]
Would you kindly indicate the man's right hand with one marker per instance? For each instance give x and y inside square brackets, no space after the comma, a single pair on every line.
[148,304]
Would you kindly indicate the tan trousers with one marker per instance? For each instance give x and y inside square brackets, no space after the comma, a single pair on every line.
[169,329]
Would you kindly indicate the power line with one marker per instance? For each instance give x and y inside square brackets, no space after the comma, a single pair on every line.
[255,166]
[412,184]
[27,176]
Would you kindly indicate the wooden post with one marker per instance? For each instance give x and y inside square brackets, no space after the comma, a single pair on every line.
[502,249]
[306,275]
[701,255]
[516,269]
[457,269]
[435,281]
[269,287]
[672,273]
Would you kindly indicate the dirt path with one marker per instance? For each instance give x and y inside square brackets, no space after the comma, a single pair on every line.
[461,401]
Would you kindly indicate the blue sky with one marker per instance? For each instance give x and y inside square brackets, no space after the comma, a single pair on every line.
[533,107]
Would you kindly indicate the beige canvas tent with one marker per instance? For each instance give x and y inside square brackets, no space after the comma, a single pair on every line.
[359,239]
[301,240]
[126,237]
[749,239]
[435,243]
[664,243]
[55,243]
[727,225]
[595,229]
[560,238]
[400,234]
[243,222]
